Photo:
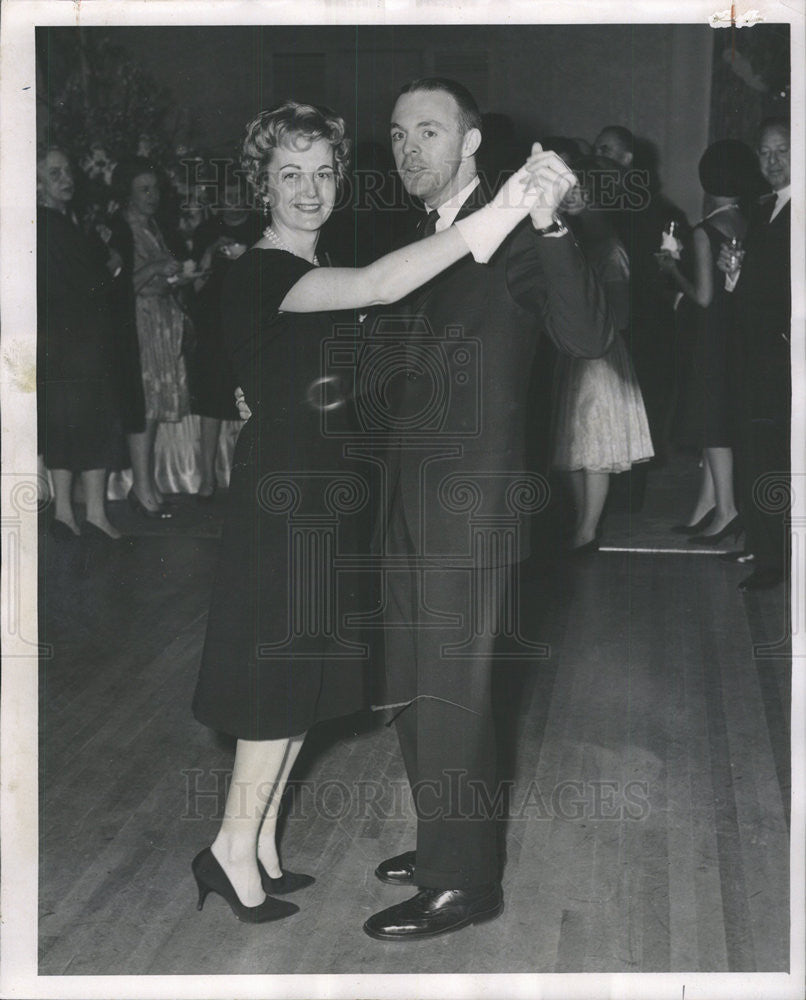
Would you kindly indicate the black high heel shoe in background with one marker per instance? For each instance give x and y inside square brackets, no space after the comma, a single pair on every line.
[287,882]
[211,877]
[94,533]
[61,532]
[136,504]
[584,550]
[733,527]
[693,529]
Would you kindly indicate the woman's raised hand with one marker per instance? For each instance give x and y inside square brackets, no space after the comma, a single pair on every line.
[550,180]
[537,189]
[240,401]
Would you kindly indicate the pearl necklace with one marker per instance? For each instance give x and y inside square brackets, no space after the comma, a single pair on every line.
[268,231]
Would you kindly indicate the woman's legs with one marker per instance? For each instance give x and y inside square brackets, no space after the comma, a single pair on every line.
[706,497]
[266,844]
[595,486]
[719,462]
[576,487]
[141,448]
[209,428]
[94,482]
[256,774]
[63,497]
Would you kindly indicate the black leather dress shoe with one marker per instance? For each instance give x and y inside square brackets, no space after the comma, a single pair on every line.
[398,870]
[436,911]
[762,579]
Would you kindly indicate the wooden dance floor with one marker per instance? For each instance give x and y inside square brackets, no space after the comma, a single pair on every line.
[648,755]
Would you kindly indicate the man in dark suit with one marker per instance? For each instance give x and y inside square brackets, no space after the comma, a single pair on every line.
[453,483]
[762,303]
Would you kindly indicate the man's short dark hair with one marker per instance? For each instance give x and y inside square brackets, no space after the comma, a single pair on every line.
[469,114]
[624,135]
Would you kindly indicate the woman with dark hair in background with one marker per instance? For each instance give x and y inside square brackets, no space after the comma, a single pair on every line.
[155,274]
[600,424]
[77,407]
[276,308]
[728,173]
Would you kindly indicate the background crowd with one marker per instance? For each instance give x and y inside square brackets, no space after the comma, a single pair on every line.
[132,257]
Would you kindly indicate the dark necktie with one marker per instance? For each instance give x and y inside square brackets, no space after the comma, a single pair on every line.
[428,225]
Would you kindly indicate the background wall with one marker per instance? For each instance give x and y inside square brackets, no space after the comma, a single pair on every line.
[551,80]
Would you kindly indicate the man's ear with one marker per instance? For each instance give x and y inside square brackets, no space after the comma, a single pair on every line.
[627,159]
[471,142]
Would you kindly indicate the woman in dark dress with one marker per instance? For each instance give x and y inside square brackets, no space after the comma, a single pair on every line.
[76,400]
[219,241]
[276,309]
[727,172]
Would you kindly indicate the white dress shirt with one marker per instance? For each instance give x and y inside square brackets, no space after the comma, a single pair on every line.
[782,196]
[450,209]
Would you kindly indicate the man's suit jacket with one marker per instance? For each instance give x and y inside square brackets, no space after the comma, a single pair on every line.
[762,300]
[485,320]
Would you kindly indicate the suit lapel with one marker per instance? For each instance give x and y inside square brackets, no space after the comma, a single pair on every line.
[417,301]
[782,216]
[766,206]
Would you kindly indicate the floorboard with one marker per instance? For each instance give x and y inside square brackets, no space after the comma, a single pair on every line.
[648,761]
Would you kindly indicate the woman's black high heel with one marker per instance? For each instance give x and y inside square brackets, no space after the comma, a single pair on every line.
[211,877]
[587,549]
[287,882]
[693,529]
[94,533]
[137,504]
[733,527]
[61,532]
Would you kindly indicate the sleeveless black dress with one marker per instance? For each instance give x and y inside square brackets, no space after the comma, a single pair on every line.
[703,418]
[277,655]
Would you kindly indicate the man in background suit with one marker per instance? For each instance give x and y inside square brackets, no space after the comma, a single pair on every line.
[485,320]
[762,303]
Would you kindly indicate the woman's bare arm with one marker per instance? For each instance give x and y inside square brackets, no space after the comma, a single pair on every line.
[701,288]
[386,280]
[538,187]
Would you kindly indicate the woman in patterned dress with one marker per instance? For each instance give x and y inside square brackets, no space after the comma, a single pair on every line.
[600,424]
[156,274]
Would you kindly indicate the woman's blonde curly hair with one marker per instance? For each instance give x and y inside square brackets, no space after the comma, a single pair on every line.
[293,124]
